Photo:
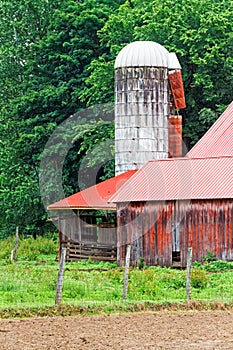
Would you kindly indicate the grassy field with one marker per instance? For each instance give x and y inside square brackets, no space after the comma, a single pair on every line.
[30,282]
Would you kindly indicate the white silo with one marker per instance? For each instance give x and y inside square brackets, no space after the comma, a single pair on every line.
[142,105]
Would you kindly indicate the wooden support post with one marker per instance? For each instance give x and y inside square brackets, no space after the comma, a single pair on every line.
[60,277]
[127,263]
[79,233]
[14,251]
[59,238]
[118,254]
[68,249]
[188,274]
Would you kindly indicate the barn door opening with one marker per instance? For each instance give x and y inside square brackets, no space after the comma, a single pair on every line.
[176,244]
[176,234]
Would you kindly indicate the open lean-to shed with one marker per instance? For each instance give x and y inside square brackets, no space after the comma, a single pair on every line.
[172,204]
[87,221]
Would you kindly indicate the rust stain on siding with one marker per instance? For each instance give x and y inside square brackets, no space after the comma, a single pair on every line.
[153,227]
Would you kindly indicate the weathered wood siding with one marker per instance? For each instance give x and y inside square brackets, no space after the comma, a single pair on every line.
[85,231]
[95,251]
[142,107]
[157,230]
[84,239]
[77,230]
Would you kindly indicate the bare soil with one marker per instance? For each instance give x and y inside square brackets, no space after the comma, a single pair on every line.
[141,331]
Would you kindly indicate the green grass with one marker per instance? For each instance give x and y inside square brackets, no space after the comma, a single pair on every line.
[30,282]
[34,284]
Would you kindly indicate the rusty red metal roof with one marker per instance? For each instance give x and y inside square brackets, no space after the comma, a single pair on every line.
[94,197]
[218,139]
[179,178]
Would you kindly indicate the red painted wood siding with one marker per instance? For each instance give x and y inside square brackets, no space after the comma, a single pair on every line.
[203,225]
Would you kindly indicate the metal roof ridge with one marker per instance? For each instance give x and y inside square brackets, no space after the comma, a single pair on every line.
[209,157]
[186,157]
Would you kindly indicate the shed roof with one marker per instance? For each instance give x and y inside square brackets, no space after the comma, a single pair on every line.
[94,197]
[179,179]
[218,140]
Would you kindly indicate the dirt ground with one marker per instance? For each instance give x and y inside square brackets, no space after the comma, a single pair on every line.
[141,331]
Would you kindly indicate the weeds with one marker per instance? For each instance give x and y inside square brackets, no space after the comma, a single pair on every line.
[29,248]
[209,257]
[215,266]
[30,282]
[199,278]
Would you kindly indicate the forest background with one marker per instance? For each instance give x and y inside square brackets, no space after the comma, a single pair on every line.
[57,59]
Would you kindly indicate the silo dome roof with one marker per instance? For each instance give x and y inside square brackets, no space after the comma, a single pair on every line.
[142,53]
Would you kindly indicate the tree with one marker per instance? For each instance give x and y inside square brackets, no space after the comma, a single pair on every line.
[23,24]
[49,47]
[57,58]
[199,31]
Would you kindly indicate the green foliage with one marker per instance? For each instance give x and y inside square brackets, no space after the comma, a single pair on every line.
[141,264]
[199,278]
[21,284]
[6,247]
[215,265]
[156,283]
[57,58]
[96,140]
[209,257]
[32,249]
[29,249]
[91,264]
[117,32]
[46,48]
[33,282]
[200,32]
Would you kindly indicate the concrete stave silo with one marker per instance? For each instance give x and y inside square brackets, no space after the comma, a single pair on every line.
[142,105]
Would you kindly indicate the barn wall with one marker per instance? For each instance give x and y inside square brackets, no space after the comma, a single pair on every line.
[156,230]
[147,230]
[207,226]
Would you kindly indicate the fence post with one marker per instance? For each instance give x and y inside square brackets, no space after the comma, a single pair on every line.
[188,274]
[14,250]
[60,276]
[127,263]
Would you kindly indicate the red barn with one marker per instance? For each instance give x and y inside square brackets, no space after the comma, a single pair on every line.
[166,205]
[172,204]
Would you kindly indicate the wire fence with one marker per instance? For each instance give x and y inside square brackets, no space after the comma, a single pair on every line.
[34,284]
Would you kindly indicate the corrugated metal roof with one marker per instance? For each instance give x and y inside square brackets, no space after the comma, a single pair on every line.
[218,141]
[179,178]
[94,197]
[142,54]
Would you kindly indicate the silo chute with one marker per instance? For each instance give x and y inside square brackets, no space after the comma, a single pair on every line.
[175,80]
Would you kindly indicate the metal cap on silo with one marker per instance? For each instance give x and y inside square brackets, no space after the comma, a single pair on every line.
[173,62]
[142,54]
